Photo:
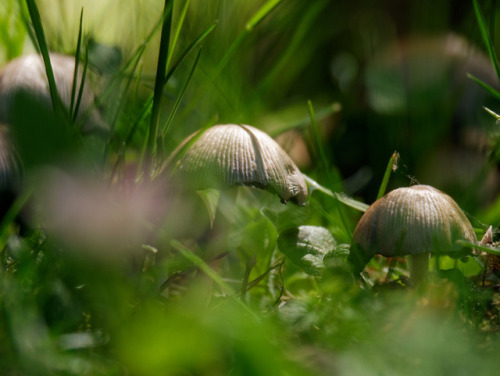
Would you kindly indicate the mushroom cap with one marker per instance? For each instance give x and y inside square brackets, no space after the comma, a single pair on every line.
[229,155]
[412,220]
[26,76]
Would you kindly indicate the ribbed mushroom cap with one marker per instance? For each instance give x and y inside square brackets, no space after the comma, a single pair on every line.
[26,76]
[229,155]
[413,220]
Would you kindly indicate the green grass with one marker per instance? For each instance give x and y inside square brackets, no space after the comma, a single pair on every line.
[122,270]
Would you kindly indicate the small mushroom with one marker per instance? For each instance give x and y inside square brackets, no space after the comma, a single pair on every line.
[25,78]
[416,221]
[229,155]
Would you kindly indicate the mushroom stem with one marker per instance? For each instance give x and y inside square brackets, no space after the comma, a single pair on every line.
[419,268]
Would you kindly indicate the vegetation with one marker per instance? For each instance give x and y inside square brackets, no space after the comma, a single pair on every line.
[111,265]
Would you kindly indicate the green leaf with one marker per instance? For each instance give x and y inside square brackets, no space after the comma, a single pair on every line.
[259,238]
[469,266]
[307,246]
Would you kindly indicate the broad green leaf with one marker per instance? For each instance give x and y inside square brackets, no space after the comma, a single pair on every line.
[307,246]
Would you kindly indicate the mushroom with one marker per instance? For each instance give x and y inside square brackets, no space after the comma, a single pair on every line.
[25,78]
[236,154]
[229,155]
[416,221]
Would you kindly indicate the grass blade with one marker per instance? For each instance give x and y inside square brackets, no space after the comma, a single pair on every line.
[486,37]
[391,166]
[342,197]
[177,31]
[485,248]
[159,84]
[190,48]
[75,73]
[492,113]
[485,86]
[261,13]
[180,96]
[82,84]
[42,44]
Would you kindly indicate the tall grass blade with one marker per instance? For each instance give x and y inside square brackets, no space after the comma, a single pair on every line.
[177,31]
[75,73]
[159,84]
[391,166]
[180,96]
[42,44]
[486,37]
[82,84]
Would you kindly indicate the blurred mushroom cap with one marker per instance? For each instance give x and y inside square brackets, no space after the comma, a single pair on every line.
[25,77]
[92,217]
[412,220]
[229,155]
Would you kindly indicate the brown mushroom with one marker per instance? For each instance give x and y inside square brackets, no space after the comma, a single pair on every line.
[235,154]
[416,221]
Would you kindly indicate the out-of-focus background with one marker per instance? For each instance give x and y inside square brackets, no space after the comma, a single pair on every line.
[390,76]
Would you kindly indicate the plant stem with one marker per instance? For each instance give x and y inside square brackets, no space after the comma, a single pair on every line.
[419,268]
